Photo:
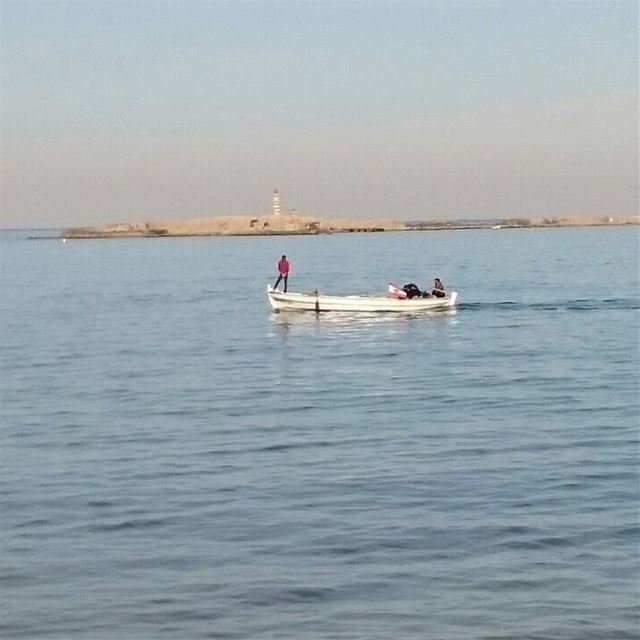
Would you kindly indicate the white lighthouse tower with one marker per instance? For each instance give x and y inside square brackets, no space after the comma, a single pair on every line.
[275,203]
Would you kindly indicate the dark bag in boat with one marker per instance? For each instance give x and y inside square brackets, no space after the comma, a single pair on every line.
[411,290]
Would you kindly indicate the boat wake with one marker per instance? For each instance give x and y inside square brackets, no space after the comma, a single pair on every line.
[620,304]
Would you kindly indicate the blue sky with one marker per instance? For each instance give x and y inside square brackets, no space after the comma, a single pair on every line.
[126,110]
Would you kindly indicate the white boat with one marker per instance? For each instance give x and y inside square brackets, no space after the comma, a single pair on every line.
[315,301]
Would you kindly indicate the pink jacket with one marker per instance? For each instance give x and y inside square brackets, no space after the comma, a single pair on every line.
[283,267]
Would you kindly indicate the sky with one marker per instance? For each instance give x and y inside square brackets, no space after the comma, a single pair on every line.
[126,110]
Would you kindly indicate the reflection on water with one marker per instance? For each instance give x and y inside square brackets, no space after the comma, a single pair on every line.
[352,322]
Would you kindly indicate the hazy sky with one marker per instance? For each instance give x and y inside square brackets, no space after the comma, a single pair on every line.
[123,110]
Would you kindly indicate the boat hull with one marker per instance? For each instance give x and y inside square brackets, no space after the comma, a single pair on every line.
[280,301]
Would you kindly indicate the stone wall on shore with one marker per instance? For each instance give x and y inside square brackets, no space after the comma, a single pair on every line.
[235,226]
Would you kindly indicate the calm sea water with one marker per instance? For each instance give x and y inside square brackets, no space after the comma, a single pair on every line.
[179,462]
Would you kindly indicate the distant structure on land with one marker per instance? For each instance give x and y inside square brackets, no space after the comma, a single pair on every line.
[275,203]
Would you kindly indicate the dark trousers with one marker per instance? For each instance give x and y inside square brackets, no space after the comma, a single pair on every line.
[284,277]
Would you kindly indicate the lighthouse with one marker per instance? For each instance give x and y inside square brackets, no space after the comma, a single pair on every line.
[275,203]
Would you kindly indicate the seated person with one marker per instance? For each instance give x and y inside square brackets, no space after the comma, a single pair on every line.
[438,288]
[411,290]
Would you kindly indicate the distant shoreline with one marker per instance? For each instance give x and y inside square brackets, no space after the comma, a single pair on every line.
[306,225]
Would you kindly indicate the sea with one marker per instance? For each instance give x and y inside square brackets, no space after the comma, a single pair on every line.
[179,462]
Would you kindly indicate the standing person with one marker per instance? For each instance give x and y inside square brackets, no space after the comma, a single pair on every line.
[438,288]
[283,272]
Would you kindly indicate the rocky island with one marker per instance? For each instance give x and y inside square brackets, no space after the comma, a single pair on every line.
[289,224]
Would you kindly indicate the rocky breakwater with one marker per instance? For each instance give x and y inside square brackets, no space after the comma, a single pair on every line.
[234,226]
